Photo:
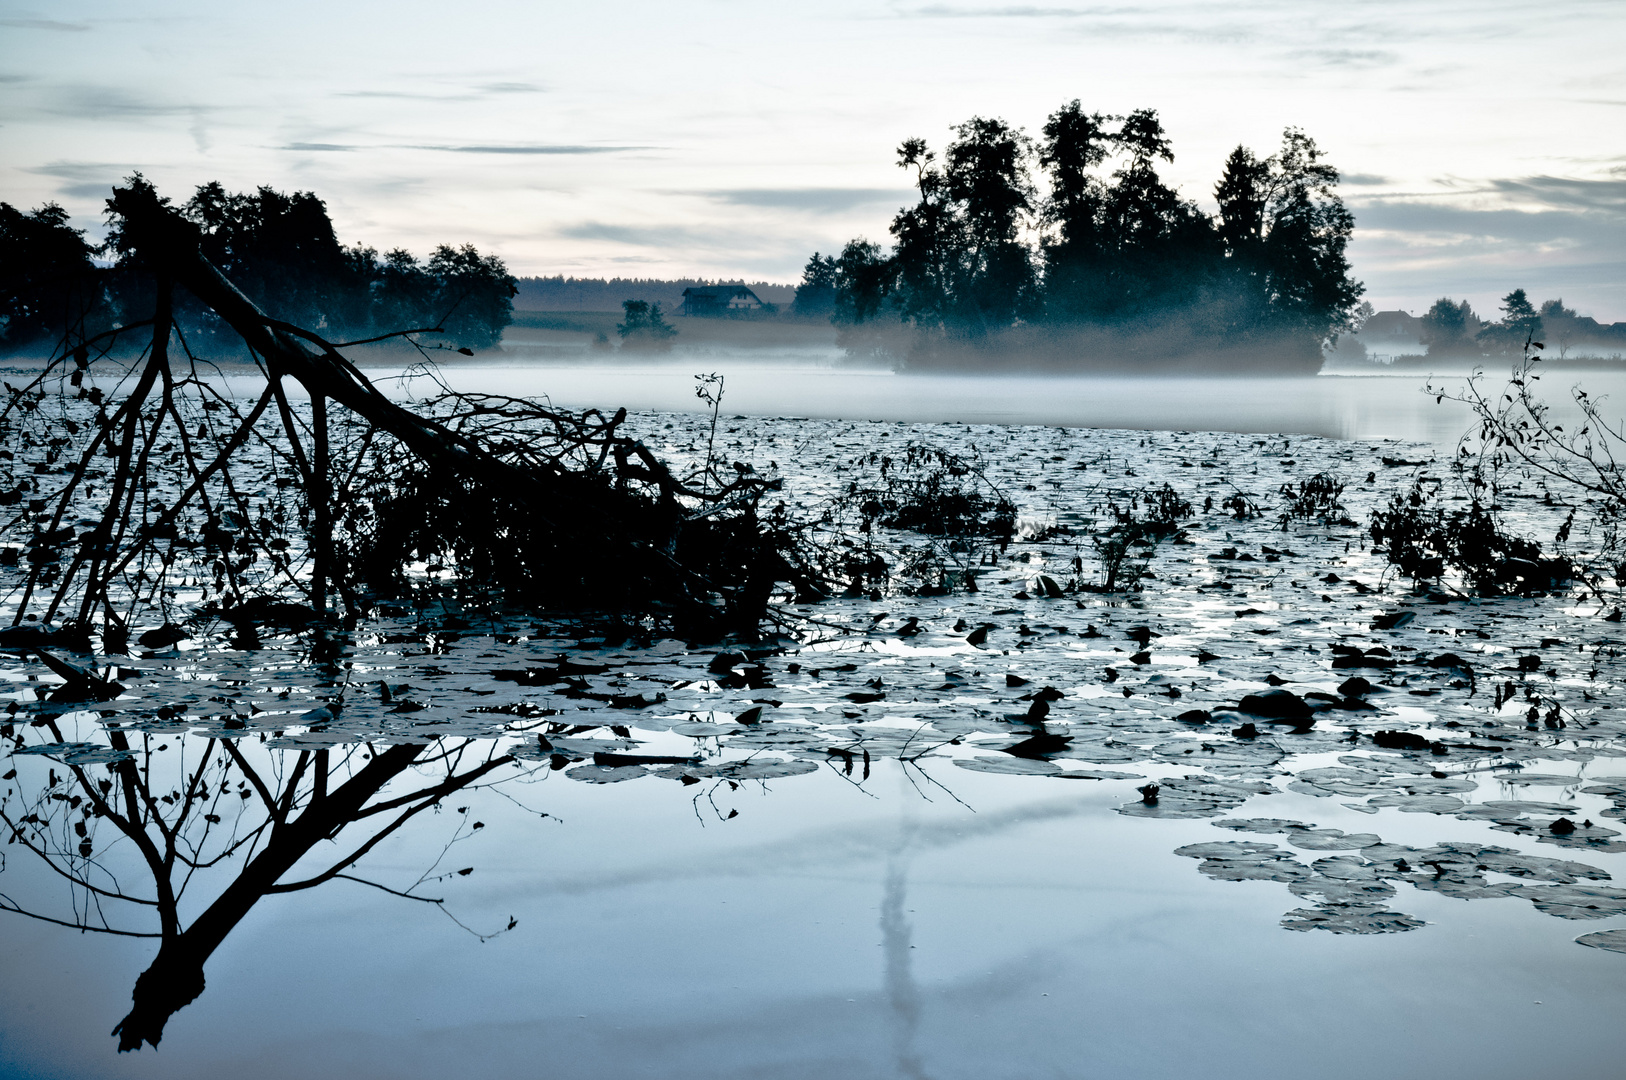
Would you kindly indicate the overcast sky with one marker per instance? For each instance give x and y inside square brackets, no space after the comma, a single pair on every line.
[1483,143]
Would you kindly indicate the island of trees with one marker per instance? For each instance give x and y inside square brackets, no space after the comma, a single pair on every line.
[1097,262]
[280,249]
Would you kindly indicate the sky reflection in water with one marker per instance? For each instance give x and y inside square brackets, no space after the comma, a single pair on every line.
[1017,927]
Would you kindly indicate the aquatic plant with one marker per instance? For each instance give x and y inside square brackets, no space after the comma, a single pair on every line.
[1423,539]
[1315,498]
[1125,548]
[944,497]
[1517,436]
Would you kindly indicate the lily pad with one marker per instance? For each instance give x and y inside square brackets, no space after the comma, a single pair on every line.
[1096,774]
[1419,804]
[1579,901]
[1350,919]
[606,774]
[1245,860]
[1611,940]
[1010,765]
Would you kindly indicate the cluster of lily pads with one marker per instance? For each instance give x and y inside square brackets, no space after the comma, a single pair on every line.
[1257,653]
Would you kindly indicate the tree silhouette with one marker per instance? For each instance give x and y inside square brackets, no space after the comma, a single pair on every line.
[816,295]
[190,825]
[47,281]
[645,327]
[1449,328]
[1123,255]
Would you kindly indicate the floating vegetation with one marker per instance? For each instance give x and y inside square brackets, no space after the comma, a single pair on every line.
[1252,667]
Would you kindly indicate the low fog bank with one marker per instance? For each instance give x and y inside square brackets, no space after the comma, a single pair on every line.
[1175,344]
[1348,408]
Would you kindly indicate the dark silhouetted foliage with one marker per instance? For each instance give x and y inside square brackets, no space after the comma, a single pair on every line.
[1423,540]
[1449,328]
[47,280]
[816,295]
[1519,325]
[281,250]
[645,327]
[1110,250]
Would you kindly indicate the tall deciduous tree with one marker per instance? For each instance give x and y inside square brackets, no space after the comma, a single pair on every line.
[1305,250]
[1449,328]
[1075,143]
[986,180]
[865,280]
[1162,245]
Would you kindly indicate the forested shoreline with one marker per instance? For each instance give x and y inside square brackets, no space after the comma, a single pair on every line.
[280,249]
[1096,261]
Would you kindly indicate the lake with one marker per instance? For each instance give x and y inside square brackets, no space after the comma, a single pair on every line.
[861,880]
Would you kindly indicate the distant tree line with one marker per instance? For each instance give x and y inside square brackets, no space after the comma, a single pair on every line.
[561,293]
[280,249]
[990,254]
[1451,328]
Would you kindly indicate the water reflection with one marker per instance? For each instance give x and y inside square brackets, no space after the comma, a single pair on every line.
[658,747]
[902,997]
[191,823]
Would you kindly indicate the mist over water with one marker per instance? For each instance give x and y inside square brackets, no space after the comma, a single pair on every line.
[1333,406]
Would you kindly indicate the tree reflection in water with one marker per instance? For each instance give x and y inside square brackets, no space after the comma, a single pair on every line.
[140,802]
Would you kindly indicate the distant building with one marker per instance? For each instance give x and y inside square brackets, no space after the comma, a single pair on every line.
[1392,326]
[719,300]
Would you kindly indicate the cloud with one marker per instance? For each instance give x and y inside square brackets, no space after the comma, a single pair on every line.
[45,24]
[1357,179]
[522,149]
[79,170]
[1605,196]
[408,95]
[90,190]
[94,102]
[471,94]
[1014,11]
[84,179]
[814,200]
[718,247]
[1412,249]
[1430,223]
[655,236]
[1363,58]
[534,148]
[511,88]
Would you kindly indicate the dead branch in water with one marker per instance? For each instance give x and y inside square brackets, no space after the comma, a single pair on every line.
[541,506]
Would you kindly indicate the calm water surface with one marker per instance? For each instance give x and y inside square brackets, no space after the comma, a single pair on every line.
[1012,927]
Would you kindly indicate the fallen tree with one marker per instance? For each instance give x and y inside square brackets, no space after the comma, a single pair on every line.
[146,504]
[541,506]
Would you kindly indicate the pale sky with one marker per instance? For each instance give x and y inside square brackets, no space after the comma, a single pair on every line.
[1483,143]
